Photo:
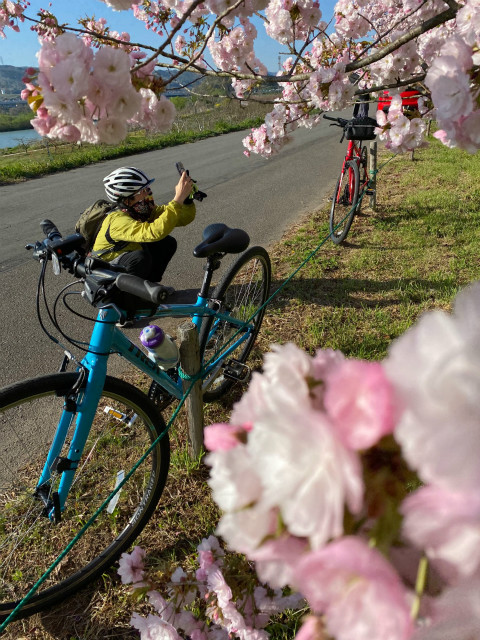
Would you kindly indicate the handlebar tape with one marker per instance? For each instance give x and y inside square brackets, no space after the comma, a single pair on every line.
[141,288]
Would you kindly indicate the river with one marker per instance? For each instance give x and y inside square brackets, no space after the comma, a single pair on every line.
[15,138]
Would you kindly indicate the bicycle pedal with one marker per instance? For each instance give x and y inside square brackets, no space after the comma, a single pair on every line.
[236,370]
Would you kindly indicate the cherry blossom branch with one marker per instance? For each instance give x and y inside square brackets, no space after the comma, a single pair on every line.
[175,30]
[393,85]
[392,28]
[427,25]
[208,35]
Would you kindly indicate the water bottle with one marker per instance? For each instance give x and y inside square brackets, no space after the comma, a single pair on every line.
[160,346]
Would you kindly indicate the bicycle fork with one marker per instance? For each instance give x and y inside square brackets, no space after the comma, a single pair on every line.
[79,409]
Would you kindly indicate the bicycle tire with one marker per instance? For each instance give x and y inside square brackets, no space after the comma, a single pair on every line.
[114,445]
[344,203]
[243,290]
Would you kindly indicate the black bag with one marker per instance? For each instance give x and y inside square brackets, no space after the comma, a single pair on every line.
[361,129]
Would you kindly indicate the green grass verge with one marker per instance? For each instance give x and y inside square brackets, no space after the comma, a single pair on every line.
[409,256]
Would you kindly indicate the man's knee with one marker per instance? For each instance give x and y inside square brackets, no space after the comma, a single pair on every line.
[170,245]
[137,263]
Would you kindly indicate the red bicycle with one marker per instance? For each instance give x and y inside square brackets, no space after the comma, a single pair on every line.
[353,181]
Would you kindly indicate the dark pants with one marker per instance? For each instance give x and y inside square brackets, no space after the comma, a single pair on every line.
[151,260]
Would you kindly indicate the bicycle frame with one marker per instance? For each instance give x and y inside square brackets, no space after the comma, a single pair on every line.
[353,153]
[107,339]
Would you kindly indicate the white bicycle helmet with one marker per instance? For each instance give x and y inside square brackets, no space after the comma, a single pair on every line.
[125,182]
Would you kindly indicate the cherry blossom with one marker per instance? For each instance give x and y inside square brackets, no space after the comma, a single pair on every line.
[241,612]
[292,438]
[456,614]
[386,43]
[357,589]
[359,401]
[434,369]
[131,567]
[446,525]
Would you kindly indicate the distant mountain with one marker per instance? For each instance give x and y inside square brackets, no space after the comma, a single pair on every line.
[187,79]
[11,79]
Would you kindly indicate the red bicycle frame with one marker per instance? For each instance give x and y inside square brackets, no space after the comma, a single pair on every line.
[353,153]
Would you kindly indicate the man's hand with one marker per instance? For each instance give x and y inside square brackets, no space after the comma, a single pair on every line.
[183,188]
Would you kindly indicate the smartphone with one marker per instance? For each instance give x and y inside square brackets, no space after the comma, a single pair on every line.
[180,167]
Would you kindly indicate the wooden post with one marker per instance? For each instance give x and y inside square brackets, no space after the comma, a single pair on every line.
[373,174]
[190,363]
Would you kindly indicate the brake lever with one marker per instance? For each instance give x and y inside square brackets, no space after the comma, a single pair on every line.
[39,250]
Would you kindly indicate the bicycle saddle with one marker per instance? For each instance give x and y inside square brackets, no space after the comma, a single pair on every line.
[218,238]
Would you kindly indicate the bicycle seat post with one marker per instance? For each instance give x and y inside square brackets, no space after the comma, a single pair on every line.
[213,263]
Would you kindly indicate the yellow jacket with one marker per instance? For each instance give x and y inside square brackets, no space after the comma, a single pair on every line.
[122,227]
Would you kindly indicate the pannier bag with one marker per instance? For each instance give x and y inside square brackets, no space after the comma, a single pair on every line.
[361,129]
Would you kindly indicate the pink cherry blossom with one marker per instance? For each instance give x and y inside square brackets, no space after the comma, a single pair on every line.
[446,525]
[456,614]
[319,475]
[131,568]
[311,629]
[450,87]
[358,591]
[112,67]
[153,628]
[359,401]
[434,369]
[111,130]
[276,559]
[233,478]
[221,437]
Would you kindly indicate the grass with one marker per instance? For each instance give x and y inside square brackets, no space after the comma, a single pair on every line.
[409,256]
[15,122]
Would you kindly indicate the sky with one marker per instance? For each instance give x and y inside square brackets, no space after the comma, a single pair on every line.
[19,49]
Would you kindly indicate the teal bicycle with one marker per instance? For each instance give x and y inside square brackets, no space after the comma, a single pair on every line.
[70,438]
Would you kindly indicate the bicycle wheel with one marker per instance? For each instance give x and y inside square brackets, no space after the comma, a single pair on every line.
[126,423]
[242,291]
[344,202]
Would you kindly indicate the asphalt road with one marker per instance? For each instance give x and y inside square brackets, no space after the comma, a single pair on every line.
[263,197]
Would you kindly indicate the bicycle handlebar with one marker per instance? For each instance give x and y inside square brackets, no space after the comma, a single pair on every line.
[340,122]
[149,291]
[66,251]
